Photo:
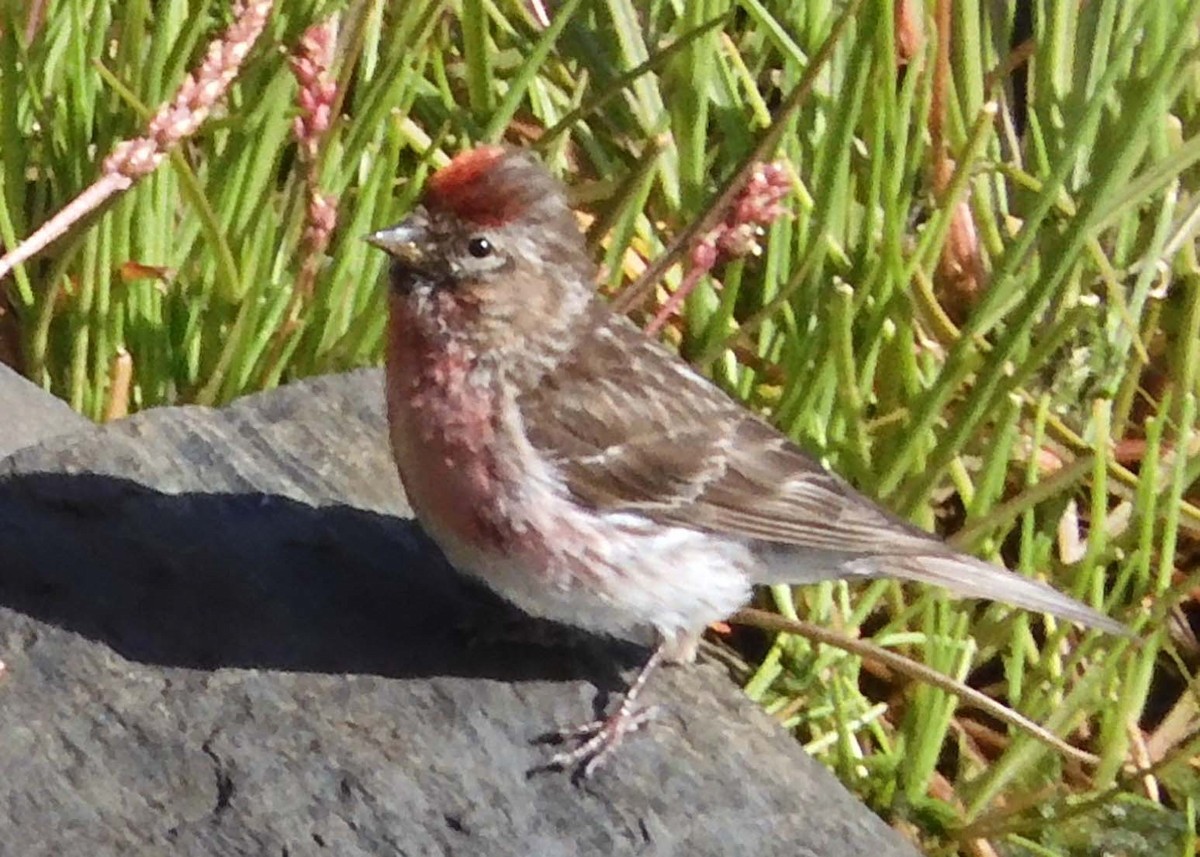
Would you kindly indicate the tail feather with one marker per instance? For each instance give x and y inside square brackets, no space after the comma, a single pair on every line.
[971,578]
[962,575]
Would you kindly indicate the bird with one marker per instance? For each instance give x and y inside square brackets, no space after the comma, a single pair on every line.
[584,471]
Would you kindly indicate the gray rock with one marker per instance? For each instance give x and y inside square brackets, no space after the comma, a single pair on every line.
[224,636]
[29,414]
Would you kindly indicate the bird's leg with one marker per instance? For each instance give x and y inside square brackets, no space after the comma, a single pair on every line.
[601,737]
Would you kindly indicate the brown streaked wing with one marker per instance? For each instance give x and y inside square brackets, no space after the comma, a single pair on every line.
[615,419]
[632,428]
[773,491]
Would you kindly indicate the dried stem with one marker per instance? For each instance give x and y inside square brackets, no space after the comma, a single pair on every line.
[120,381]
[959,275]
[909,27]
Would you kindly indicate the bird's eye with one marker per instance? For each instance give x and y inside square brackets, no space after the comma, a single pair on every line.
[479,247]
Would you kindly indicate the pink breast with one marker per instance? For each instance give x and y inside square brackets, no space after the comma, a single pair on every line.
[443,432]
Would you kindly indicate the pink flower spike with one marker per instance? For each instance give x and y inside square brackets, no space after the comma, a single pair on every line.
[174,122]
[758,206]
[311,66]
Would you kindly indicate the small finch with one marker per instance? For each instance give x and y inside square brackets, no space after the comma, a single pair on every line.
[587,474]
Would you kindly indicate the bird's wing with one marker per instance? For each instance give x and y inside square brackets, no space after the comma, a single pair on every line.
[632,429]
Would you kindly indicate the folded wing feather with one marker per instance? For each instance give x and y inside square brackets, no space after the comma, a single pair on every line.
[691,457]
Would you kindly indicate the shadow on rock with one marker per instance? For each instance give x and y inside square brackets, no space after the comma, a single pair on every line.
[263,581]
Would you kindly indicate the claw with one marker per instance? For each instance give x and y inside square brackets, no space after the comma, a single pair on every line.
[600,738]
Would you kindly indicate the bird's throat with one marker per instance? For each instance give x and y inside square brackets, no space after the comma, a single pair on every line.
[442,418]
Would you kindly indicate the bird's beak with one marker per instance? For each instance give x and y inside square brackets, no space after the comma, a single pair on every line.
[404,241]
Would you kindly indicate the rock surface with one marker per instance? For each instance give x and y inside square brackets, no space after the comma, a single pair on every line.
[28,414]
[224,636]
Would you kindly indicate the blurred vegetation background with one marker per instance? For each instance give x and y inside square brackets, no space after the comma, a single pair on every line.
[980,302]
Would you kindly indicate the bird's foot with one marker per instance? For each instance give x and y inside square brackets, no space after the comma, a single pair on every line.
[600,738]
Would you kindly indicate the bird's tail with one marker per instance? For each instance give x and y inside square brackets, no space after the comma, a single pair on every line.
[968,577]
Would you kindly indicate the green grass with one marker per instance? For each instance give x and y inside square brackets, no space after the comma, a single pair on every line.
[1063,396]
